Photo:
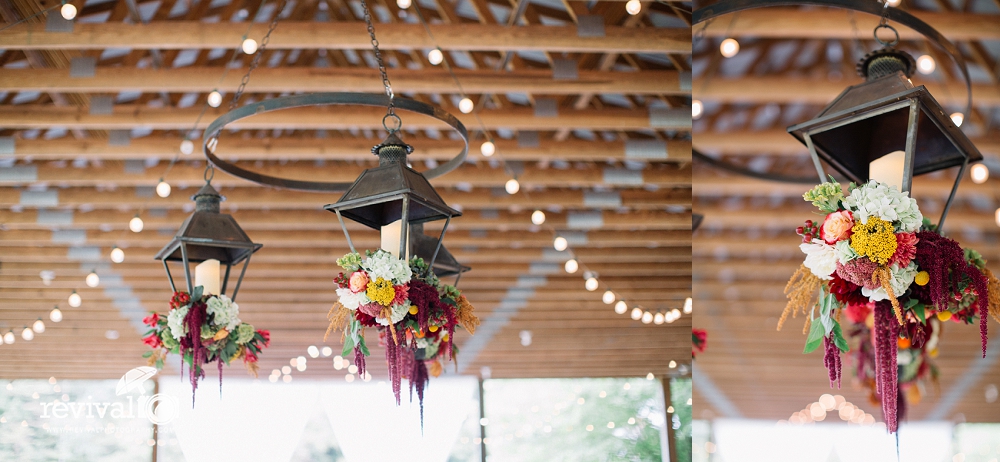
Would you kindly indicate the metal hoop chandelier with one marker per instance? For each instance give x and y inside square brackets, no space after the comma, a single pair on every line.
[211,136]
[724,7]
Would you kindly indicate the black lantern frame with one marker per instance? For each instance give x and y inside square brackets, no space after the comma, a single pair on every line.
[887,106]
[208,234]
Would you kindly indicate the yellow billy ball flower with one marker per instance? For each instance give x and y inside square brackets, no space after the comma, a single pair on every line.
[433,328]
[944,315]
[922,278]
[874,240]
[381,291]
[413,309]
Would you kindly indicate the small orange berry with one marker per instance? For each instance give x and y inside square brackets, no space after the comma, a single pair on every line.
[903,343]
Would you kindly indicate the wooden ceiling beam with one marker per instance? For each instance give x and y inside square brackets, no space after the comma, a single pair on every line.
[274,220]
[834,23]
[785,90]
[166,35]
[370,240]
[127,117]
[354,149]
[662,175]
[310,79]
[780,143]
[250,198]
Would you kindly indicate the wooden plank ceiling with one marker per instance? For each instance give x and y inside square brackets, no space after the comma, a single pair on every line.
[94,167]
[791,63]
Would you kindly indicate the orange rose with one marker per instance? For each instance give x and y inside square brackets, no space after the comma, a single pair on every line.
[836,227]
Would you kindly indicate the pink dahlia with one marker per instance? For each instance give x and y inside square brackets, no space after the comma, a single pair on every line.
[402,292]
[906,249]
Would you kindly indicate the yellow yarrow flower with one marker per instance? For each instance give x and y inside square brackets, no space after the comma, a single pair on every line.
[874,240]
[381,291]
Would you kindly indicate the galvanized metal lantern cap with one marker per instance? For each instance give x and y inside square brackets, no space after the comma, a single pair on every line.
[872,119]
[208,234]
[376,197]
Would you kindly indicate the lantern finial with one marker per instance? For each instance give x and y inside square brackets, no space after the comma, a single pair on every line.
[207,199]
[885,61]
[392,150]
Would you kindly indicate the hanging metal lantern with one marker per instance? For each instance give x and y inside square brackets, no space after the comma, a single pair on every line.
[211,240]
[887,129]
[392,198]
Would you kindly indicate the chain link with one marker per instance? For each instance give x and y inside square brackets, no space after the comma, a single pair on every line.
[256,57]
[390,110]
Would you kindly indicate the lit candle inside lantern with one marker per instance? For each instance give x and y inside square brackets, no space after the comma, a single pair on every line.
[888,169]
[206,275]
[390,238]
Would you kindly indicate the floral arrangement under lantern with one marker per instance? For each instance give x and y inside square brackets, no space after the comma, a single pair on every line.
[414,313]
[203,329]
[874,254]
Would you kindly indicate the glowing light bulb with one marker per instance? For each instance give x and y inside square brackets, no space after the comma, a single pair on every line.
[8,338]
[93,280]
[75,300]
[55,315]
[926,64]
[488,148]
[636,313]
[27,334]
[647,317]
[893,3]
[998,217]
[633,7]
[696,109]
[608,297]
[215,98]
[621,307]
[38,326]
[313,351]
[163,189]
[980,173]
[688,305]
[957,118]
[729,47]
[187,147]
[404,4]
[135,224]
[538,216]
[591,284]
[466,105]
[571,266]
[560,243]
[68,11]
[675,313]
[670,317]
[658,318]
[249,46]
[512,186]
[435,56]
[117,255]
[672,364]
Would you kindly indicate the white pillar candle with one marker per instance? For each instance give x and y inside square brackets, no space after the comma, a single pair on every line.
[888,169]
[390,238]
[206,275]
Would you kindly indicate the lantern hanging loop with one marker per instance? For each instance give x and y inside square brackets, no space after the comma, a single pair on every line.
[882,42]
[209,172]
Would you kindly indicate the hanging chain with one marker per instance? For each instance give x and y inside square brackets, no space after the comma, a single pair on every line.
[256,57]
[390,110]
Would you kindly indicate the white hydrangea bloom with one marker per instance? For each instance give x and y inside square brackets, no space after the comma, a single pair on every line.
[821,258]
[901,280]
[844,252]
[883,201]
[175,322]
[385,265]
[352,300]
[225,311]
[398,313]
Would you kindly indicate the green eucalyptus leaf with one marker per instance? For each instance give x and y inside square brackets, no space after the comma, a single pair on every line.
[147,354]
[814,339]
[918,310]
[348,346]
[196,293]
[839,340]
[363,347]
